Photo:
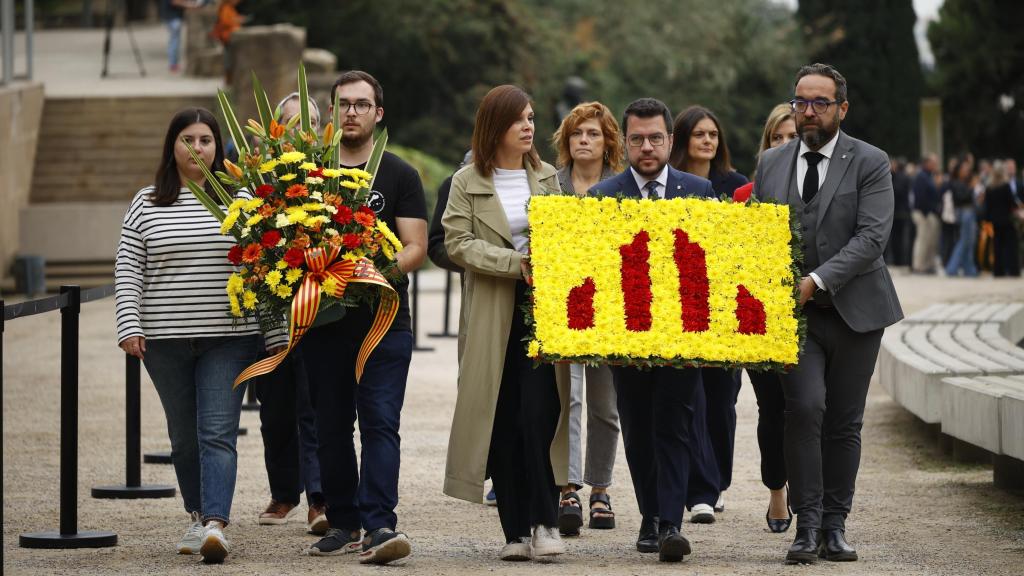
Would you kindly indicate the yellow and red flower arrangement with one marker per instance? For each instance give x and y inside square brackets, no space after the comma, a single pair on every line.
[677,282]
[306,240]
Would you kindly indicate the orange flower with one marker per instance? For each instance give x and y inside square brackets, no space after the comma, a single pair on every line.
[332,198]
[365,216]
[335,240]
[232,168]
[301,240]
[296,190]
[276,130]
[252,253]
[328,133]
[267,210]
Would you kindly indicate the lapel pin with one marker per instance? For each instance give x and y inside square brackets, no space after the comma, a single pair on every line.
[844,156]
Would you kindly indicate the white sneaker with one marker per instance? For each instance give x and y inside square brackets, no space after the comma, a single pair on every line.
[702,514]
[215,546]
[720,504]
[518,551]
[547,543]
[193,538]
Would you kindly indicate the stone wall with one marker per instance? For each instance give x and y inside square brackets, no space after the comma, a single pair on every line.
[273,53]
[21,108]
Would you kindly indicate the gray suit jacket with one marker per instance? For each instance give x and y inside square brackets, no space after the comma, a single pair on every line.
[854,218]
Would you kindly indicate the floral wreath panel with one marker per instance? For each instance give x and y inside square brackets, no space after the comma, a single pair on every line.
[669,282]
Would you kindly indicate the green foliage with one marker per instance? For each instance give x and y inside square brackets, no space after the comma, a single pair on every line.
[979,58]
[872,44]
[432,171]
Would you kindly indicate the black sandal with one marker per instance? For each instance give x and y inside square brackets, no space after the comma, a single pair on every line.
[601,518]
[570,516]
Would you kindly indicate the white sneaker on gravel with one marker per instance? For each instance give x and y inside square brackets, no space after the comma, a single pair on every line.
[215,546]
[547,543]
[193,538]
[517,551]
[702,514]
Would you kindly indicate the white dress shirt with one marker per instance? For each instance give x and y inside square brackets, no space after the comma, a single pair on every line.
[801,171]
[641,181]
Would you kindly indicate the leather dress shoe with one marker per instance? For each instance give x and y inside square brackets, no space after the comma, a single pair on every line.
[648,539]
[804,549]
[834,547]
[672,546]
[779,525]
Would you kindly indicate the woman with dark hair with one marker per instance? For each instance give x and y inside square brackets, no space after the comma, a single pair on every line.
[699,148]
[170,274]
[1001,210]
[590,149]
[962,256]
[509,418]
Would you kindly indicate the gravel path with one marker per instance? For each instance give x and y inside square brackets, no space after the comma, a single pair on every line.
[915,513]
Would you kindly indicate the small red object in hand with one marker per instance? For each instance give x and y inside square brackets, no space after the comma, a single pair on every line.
[742,193]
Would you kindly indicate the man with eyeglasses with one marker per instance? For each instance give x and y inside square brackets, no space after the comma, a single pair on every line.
[656,406]
[841,190]
[364,494]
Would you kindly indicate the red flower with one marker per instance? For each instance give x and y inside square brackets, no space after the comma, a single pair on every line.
[296,191]
[235,255]
[294,257]
[693,283]
[365,216]
[318,173]
[270,238]
[742,193]
[252,253]
[343,215]
[636,282]
[580,305]
[750,312]
[352,241]
[264,190]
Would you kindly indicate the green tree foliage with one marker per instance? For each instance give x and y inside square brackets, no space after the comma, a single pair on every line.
[872,44]
[979,71]
[436,58]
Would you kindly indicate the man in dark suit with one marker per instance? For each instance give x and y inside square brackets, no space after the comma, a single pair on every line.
[841,190]
[656,406]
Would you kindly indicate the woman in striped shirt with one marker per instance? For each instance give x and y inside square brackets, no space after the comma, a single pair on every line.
[172,312]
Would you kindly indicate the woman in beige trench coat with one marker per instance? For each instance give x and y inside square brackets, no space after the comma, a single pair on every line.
[510,418]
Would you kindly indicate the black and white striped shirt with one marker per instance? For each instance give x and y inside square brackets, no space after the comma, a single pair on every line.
[171,273]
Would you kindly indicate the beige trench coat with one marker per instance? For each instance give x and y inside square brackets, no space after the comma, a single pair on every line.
[478,238]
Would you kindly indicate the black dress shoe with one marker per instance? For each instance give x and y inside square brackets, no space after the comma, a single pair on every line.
[648,539]
[835,548]
[804,549]
[672,546]
[779,525]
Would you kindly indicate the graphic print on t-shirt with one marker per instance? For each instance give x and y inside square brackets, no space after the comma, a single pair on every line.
[376,201]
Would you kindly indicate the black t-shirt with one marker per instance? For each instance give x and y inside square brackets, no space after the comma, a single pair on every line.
[397,193]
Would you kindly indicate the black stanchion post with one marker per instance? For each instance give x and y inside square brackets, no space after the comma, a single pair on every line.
[416,313]
[446,333]
[1,410]
[69,536]
[133,488]
[249,404]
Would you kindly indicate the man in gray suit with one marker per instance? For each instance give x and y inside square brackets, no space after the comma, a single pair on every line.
[840,188]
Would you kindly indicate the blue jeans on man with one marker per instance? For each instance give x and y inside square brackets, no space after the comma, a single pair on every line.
[193,377]
[360,494]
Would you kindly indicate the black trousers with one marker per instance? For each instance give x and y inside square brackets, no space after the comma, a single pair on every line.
[825,397]
[771,423]
[717,395]
[1007,250]
[525,419]
[656,412]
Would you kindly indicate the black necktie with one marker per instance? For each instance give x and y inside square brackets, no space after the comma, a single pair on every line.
[811,177]
[652,189]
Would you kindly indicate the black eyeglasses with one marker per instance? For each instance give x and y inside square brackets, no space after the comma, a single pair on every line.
[636,140]
[361,107]
[820,106]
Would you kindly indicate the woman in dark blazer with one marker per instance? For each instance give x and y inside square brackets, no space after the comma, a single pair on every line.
[1001,210]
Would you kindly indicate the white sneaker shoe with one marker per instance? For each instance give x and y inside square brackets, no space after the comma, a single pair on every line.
[702,514]
[193,538]
[518,551]
[547,543]
[215,546]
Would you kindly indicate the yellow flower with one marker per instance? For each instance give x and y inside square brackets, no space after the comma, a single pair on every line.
[331,172]
[296,216]
[350,184]
[283,291]
[286,178]
[249,300]
[273,278]
[253,204]
[254,219]
[235,309]
[533,349]
[237,205]
[307,166]
[281,265]
[329,285]
[313,207]
[393,240]
[293,275]
[292,157]
[268,166]
[235,284]
[229,221]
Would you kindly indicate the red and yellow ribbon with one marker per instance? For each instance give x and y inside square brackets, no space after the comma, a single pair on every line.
[322,264]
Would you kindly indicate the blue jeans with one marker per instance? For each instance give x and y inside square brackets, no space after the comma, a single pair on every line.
[174,41]
[963,251]
[364,493]
[193,377]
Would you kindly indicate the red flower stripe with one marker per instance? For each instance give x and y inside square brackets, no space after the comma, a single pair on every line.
[636,282]
[580,305]
[750,312]
[693,283]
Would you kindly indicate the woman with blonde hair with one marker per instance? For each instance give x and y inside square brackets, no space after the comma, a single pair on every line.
[590,149]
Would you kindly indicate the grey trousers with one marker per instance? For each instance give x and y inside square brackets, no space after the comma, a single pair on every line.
[602,426]
[825,397]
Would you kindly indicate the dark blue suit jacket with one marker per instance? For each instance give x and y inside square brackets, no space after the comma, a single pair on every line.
[680,185]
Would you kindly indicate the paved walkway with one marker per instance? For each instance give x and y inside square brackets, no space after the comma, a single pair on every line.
[915,514]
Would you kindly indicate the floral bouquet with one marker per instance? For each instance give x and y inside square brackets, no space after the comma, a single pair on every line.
[306,240]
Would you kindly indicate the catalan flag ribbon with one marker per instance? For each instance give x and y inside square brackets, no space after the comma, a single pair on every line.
[322,264]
